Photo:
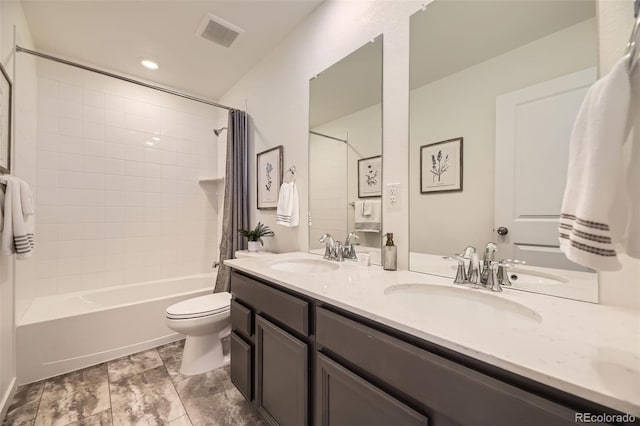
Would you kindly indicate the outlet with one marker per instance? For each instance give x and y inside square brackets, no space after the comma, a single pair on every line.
[393,194]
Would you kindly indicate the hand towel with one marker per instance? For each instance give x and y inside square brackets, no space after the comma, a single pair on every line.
[288,210]
[369,223]
[367,208]
[17,232]
[594,210]
[26,198]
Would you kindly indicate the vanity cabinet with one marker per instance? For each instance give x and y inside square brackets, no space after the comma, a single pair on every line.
[343,398]
[270,347]
[281,375]
[304,362]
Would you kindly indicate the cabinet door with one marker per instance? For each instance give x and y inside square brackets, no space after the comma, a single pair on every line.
[241,368]
[342,398]
[281,375]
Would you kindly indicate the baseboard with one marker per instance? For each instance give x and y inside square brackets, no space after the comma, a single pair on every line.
[7,397]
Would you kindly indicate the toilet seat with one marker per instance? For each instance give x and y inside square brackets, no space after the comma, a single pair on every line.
[202,306]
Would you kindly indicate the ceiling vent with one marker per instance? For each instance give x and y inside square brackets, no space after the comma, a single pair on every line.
[219,31]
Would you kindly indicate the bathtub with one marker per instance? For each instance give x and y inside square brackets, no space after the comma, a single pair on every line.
[62,333]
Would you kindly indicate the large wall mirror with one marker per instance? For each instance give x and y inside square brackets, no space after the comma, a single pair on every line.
[345,152]
[495,89]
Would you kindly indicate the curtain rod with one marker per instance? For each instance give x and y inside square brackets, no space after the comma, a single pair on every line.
[120,77]
[328,137]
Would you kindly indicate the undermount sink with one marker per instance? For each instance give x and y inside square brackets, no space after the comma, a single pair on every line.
[304,265]
[478,307]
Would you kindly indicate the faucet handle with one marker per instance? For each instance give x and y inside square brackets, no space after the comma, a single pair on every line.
[350,236]
[468,252]
[503,272]
[493,282]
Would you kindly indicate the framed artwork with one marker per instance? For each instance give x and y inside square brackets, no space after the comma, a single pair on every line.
[441,166]
[269,177]
[5,122]
[370,177]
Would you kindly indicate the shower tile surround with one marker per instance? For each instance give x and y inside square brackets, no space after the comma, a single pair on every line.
[118,197]
[144,388]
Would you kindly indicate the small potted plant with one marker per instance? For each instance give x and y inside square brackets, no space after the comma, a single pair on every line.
[254,236]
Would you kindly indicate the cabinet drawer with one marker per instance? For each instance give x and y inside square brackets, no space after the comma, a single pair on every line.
[241,319]
[343,398]
[468,397]
[241,365]
[286,309]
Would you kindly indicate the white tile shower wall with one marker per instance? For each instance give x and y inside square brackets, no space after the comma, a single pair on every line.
[118,194]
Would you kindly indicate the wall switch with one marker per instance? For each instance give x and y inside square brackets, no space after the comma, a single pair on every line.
[393,195]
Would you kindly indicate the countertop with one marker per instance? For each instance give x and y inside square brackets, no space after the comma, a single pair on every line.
[589,350]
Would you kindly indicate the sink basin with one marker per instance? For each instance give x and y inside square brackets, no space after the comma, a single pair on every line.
[304,265]
[475,306]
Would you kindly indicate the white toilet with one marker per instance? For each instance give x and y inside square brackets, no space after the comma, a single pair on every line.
[205,320]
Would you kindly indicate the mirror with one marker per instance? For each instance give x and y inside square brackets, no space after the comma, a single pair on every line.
[345,152]
[494,90]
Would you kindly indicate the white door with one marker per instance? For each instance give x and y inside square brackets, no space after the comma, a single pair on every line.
[533,127]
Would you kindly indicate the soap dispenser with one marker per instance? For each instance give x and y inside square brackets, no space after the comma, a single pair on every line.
[389,254]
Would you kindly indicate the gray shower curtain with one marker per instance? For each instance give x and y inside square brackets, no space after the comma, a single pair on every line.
[235,213]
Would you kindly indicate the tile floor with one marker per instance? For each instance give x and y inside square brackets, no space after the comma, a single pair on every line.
[141,389]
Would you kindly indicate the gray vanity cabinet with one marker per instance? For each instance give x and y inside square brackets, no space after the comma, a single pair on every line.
[270,346]
[344,399]
[304,362]
[281,375]
[242,365]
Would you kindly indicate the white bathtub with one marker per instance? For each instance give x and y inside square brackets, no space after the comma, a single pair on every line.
[62,333]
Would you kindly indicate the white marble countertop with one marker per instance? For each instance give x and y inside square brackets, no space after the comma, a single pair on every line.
[585,349]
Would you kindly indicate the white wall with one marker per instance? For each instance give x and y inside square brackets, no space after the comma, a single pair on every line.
[276,94]
[457,106]
[118,195]
[23,74]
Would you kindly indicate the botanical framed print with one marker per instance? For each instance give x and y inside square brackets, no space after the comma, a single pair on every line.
[269,177]
[370,177]
[5,122]
[441,166]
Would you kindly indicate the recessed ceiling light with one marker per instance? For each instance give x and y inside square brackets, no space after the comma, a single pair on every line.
[148,63]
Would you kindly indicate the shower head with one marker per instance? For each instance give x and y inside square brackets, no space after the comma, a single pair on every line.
[218,131]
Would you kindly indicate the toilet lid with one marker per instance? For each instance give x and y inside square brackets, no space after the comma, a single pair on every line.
[201,306]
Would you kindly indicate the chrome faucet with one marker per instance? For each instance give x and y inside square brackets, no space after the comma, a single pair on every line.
[492,274]
[468,255]
[489,254]
[349,250]
[329,247]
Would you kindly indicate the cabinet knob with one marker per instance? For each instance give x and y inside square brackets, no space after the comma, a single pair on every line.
[502,230]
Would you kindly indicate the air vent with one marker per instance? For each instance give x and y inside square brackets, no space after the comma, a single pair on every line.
[219,31]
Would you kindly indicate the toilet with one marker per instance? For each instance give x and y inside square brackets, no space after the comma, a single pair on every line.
[205,320]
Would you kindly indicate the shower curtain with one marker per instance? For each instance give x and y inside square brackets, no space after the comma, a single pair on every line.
[235,214]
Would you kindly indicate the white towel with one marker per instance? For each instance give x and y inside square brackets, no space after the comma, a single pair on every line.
[367,208]
[595,210]
[367,223]
[288,211]
[17,230]
[26,197]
